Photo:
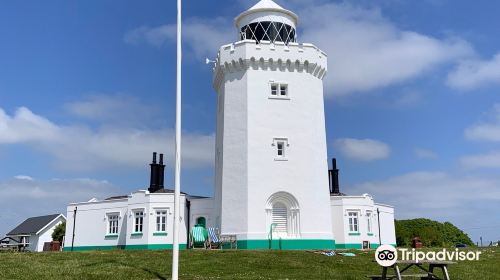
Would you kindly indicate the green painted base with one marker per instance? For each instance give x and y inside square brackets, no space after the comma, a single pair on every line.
[284,244]
[357,246]
[125,247]
[354,246]
[287,244]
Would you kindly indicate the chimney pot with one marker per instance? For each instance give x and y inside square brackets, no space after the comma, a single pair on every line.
[153,181]
[333,175]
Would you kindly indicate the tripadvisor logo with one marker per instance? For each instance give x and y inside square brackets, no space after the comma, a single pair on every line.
[387,255]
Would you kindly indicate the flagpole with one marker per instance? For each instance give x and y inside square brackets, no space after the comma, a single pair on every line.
[177,193]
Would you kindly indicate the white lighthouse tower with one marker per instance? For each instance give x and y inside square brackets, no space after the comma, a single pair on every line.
[271,158]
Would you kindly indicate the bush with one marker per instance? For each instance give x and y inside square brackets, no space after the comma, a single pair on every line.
[432,233]
[59,232]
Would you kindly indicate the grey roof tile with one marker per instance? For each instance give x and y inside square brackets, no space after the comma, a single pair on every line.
[32,225]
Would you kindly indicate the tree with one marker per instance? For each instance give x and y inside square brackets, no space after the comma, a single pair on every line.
[59,232]
[432,233]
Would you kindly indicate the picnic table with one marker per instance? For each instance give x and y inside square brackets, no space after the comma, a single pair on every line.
[400,267]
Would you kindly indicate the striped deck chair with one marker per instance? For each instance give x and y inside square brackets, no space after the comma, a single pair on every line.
[213,237]
[199,237]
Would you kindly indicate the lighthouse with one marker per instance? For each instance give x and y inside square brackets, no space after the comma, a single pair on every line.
[273,188]
[271,170]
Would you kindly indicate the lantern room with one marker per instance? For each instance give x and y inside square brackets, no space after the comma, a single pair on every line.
[267,21]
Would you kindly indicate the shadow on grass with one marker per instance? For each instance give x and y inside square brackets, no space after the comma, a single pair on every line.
[151,272]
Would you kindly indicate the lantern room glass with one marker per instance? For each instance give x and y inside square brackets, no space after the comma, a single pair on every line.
[268,31]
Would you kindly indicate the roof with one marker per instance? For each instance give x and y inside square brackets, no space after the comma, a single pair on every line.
[33,225]
[167,191]
[117,197]
[126,196]
[198,197]
[266,6]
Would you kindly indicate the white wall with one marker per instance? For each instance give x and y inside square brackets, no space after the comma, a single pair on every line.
[46,234]
[341,205]
[233,181]
[387,224]
[203,207]
[33,240]
[92,221]
[251,120]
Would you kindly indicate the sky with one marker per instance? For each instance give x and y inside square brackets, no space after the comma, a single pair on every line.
[412,101]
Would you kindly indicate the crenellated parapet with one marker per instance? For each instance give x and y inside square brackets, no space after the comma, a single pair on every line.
[267,56]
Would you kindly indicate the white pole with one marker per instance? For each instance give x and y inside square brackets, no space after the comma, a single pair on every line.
[177,193]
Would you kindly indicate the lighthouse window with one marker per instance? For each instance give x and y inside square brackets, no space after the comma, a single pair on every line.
[283,90]
[279,90]
[281,148]
[274,89]
[280,144]
[138,221]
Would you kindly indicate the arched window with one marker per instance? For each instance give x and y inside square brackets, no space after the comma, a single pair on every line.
[283,216]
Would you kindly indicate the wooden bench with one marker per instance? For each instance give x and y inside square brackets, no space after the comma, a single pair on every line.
[230,239]
[399,273]
[378,277]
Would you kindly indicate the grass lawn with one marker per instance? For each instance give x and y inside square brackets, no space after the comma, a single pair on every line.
[196,264]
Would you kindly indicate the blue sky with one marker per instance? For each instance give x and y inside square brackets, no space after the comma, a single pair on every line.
[87,92]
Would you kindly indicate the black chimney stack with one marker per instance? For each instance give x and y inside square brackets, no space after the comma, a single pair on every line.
[161,173]
[333,176]
[157,175]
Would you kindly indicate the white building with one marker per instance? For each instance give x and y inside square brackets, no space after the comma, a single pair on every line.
[141,220]
[36,231]
[271,158]
[359,223]
[271,169]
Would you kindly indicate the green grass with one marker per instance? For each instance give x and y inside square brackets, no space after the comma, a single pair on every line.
[197,264]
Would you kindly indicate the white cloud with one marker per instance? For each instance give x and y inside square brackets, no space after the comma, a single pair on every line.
[486,131]
[362,149]
[25,126]
[408,98]
[436,189]
[204,36]
[156,36]
[436,195]
[21,198]
[425,153]
[489,131]
[82,148]
[487,160]
[23,177]
[366,50]
[474,73]
[116,109]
